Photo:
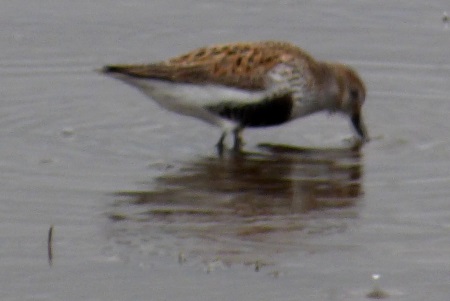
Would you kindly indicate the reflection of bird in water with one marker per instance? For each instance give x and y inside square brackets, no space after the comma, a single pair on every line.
[284,181]
[242,208]
[251,84]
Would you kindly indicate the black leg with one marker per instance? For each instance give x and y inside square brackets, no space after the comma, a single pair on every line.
[220,144]
[237,139]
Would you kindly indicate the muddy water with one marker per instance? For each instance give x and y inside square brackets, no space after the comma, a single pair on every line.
[141,207]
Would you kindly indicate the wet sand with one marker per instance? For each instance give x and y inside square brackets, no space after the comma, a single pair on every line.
[142,208]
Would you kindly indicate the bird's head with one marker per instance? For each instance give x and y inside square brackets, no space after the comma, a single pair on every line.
[351,96]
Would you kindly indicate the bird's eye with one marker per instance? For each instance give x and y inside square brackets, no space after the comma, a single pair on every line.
[354,94]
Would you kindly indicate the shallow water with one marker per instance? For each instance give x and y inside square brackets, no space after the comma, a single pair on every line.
[142,208]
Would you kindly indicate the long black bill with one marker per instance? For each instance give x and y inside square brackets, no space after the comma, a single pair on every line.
[360,127]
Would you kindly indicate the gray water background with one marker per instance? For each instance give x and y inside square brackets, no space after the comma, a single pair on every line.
[130,188]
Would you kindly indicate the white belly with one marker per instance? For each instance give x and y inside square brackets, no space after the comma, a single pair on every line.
[190,99]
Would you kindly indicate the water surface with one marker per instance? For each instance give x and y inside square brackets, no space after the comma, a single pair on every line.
[142,208]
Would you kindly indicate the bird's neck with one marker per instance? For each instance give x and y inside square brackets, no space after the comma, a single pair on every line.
[331,87]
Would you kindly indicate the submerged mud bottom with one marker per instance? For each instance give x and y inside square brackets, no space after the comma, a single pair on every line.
[244,207]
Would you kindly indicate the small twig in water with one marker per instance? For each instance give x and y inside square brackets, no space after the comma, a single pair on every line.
[49,245]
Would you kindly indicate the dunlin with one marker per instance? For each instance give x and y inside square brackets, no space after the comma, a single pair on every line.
[250,84]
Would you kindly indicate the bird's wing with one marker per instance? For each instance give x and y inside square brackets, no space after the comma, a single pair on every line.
[240,65]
